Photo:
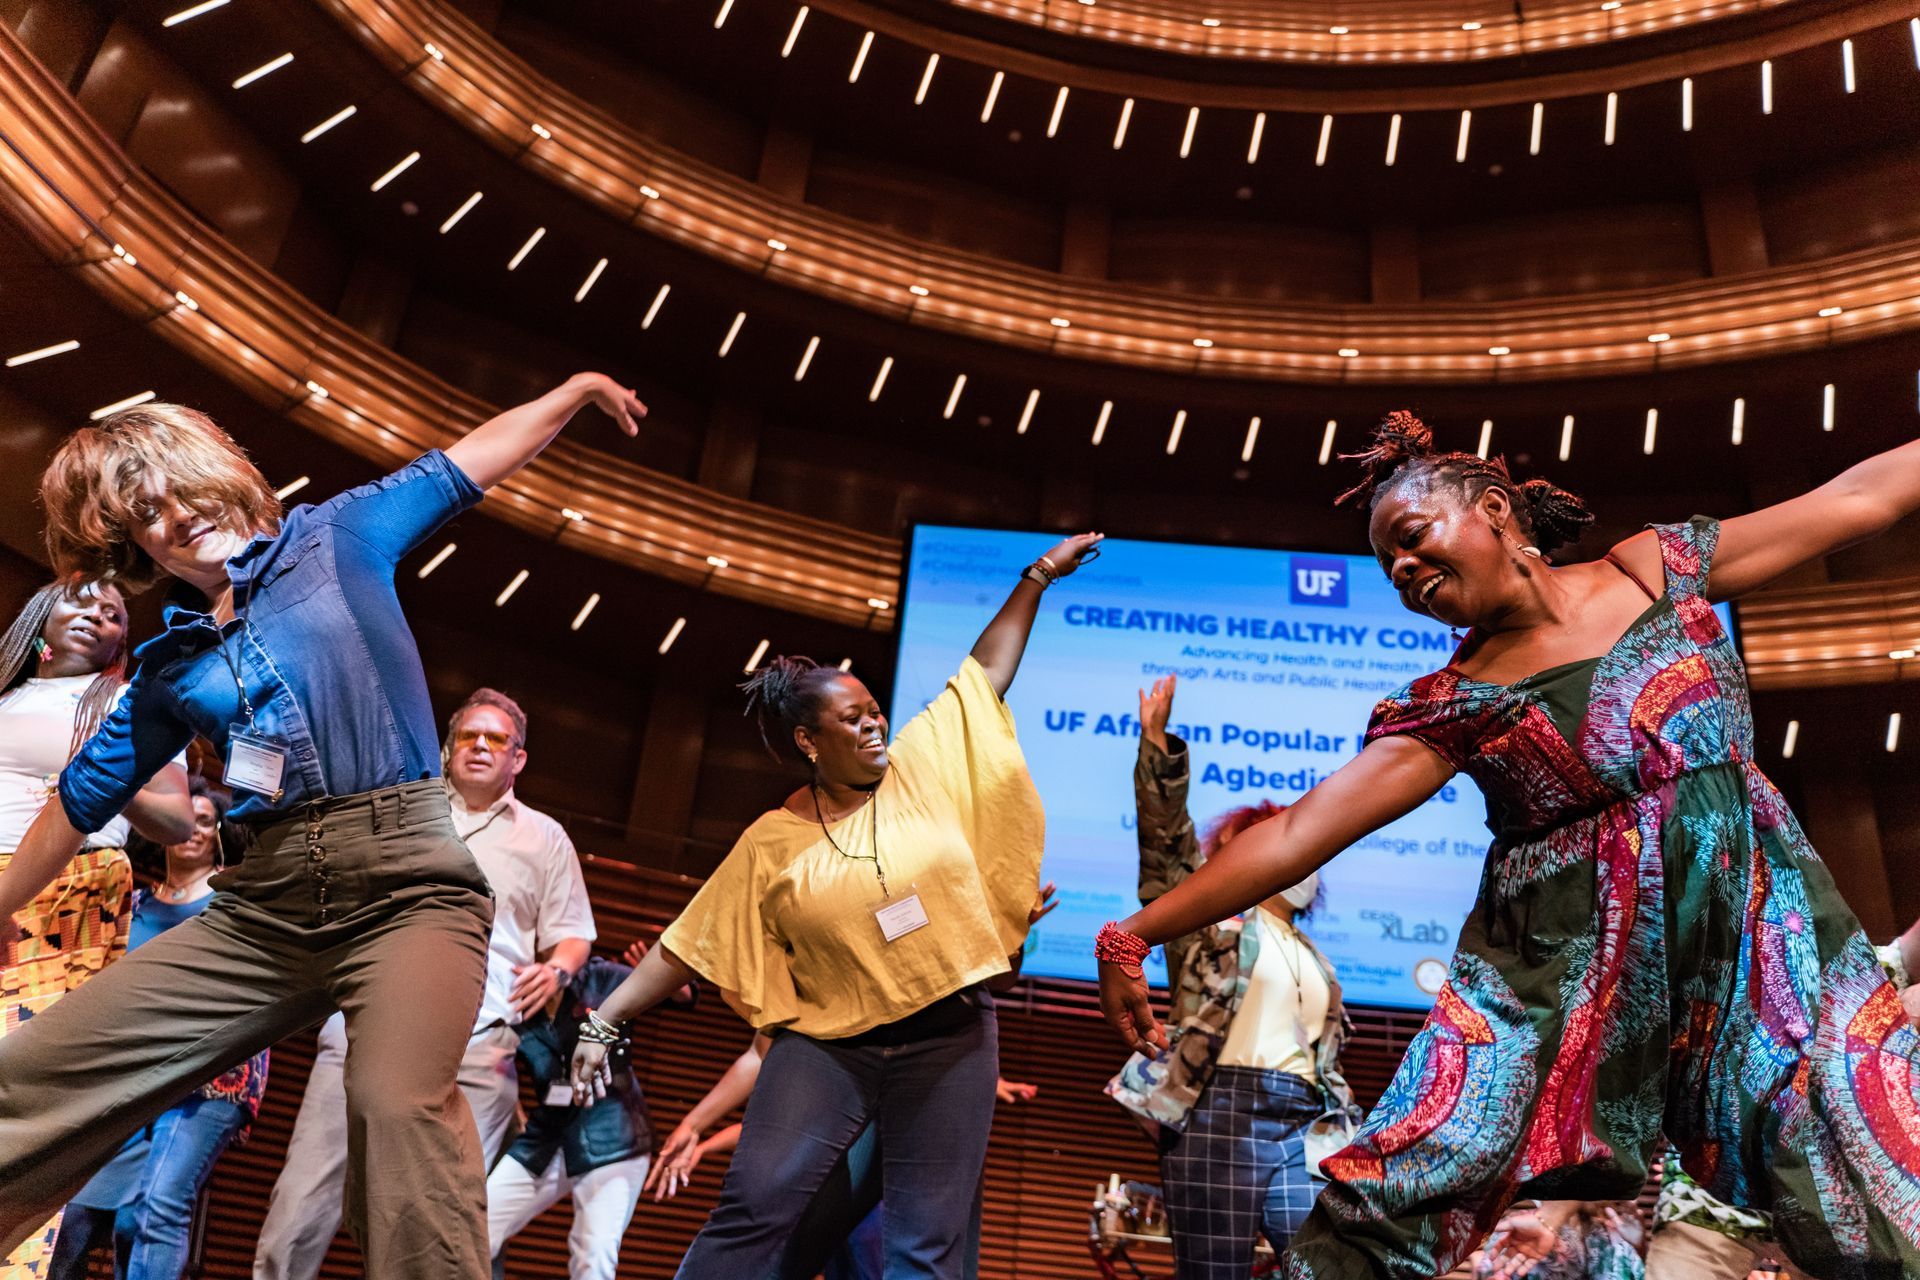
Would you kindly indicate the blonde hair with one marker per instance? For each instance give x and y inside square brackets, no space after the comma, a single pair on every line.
[92,489]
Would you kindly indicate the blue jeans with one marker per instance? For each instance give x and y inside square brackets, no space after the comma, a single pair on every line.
[930,1101]
[153,1230]
[840,1238]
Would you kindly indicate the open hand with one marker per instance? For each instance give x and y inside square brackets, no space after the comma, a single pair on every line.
[1124,1004]
[1521,1241]
[622,404]
[1043,902]
[673,1167]
[1156,708]
[1071,553]
[1012,1091]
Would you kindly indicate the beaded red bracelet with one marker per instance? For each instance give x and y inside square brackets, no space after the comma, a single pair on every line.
[1115,945]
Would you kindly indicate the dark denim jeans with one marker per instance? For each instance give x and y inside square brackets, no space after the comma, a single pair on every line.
[152,1232]
[930,1101]
[841,1238]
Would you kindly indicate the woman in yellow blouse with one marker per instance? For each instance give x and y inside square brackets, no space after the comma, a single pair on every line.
[858,922]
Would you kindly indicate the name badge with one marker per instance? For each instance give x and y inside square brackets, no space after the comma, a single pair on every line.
[560,1095]
[898,919]
[256,762]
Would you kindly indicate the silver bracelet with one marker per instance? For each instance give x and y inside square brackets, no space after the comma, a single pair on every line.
[597,1030]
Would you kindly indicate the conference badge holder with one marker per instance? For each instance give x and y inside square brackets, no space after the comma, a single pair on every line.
[898,919]
[256,761]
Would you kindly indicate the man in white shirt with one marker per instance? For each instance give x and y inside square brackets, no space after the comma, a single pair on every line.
[542,933]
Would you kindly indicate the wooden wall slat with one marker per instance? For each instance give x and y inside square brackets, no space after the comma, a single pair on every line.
[1043,1160]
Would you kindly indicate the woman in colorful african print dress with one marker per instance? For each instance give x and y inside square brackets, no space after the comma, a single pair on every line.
[62,666]
[1655,946]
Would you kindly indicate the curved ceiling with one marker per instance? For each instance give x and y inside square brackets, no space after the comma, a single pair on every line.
[544,127]
[86,207]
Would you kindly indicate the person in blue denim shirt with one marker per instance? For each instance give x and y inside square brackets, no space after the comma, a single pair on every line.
[285,647]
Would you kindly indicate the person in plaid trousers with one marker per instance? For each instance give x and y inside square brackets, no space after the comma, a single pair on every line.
[1251,1079]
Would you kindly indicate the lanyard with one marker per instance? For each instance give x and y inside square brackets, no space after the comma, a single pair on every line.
[873,857]
[233,660]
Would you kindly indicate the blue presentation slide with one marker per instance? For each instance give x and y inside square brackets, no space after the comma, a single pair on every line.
[1280,658]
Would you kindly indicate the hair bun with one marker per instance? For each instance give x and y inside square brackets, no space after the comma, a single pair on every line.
[1556,516]
[1399,439]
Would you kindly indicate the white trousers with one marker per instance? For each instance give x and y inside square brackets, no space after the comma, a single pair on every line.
[304,1211]
[603,1204]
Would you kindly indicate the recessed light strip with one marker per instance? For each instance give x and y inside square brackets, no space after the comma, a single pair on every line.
[332,120]
[793,33]
[41,353]
[189,14]
[453,220]
[439,558]
[406,162]
[106,410]
[264,69]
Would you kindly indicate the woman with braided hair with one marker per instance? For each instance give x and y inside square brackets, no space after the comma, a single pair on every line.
[63,667]
[1655,946]
[859,922]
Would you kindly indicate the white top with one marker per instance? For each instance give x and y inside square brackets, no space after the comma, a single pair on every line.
[1284,1011]
[539,895]
[36,732]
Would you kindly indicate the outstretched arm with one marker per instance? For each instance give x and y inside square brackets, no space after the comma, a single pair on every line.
[49,845]
[1000,646]
[1861,501]
[1387,780]
[511,439]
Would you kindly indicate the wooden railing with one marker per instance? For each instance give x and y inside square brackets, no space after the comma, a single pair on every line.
[549,130]
[88,209]
[1844,633]
[1360,31]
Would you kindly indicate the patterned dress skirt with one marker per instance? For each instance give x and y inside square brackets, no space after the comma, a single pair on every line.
[1655,949]
[71,931]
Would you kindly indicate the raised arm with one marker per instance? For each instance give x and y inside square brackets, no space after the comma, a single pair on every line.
[1000,646]
[1861,501]
[1387,780]
[511,439]
[1169,849]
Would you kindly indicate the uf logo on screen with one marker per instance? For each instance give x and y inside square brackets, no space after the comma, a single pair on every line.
[1318,580]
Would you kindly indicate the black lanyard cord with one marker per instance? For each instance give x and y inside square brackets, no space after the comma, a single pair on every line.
[874,857]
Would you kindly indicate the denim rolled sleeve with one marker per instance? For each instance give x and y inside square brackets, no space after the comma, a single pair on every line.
[398,512]
[138,738]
